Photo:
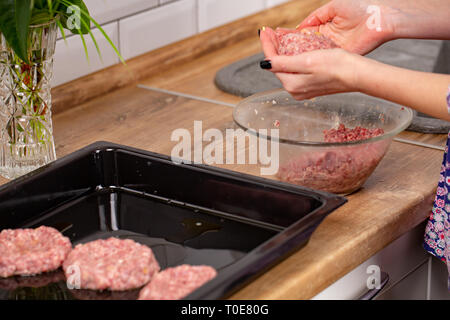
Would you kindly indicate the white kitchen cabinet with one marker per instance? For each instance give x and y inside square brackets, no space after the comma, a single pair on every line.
[438,280]
[412,287]
[429,281]
[399,259]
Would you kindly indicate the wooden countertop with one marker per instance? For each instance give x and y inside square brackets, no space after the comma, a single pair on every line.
[396,198]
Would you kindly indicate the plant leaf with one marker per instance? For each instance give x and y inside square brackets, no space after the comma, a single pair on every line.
[39,17]
[14,22]
[96,46]
[111,43]
[61,28]
[23,17]
[84,46]
[86,20]
[85,26]
[39,4]
[50,7]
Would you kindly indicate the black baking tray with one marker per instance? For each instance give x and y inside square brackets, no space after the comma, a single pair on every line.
[188,214]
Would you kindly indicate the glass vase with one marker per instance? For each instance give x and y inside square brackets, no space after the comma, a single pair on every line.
[26,131]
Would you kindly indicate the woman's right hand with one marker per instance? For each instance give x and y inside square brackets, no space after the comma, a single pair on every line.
[358,26]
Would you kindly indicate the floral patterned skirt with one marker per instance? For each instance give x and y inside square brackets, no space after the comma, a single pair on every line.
[437,232]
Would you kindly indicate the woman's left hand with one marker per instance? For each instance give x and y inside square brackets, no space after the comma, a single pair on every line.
[313,73]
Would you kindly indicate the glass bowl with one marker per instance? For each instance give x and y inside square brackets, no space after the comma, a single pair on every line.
[304,157]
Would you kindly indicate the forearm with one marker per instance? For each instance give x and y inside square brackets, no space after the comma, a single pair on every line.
[424,19]
[424,92]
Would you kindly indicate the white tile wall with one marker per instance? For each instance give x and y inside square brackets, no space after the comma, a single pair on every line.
[161,2]
[213,13]
[156,28]
[273,3]
[70,60]
[109,10]
[104,11]
[139,26]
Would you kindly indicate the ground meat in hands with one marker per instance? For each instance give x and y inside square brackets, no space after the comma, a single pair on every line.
[297,42]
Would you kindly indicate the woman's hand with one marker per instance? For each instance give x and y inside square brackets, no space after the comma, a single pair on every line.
[311,74]
[358,26]
[329,71]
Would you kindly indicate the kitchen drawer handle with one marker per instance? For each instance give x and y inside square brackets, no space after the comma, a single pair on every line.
[371,294]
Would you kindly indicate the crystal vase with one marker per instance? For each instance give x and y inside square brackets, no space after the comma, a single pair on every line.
[26,131]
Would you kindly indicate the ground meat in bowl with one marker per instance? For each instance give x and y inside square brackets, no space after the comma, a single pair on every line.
[176,283]
[297,42]
[344,134]
[28,252]
[337,169]
[111,264]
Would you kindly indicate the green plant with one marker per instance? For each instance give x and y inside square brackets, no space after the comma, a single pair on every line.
[29,28]
[16,16]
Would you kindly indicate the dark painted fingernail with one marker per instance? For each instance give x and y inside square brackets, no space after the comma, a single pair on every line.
[266,64]
[259,32]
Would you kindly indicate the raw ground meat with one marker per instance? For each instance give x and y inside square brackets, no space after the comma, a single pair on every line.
[28,252]
[339,170]
[343,134]
[297,42]
[176,283]
[112,264]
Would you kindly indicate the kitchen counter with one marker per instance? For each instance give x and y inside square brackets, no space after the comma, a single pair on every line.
[395,199]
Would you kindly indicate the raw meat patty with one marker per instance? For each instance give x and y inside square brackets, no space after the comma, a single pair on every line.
[176,283]
[32,251]
[112,264]
[294,43]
